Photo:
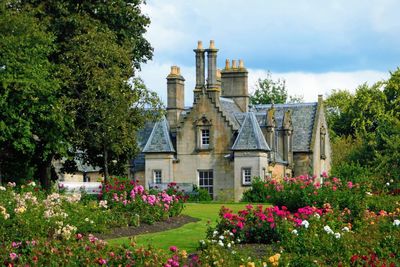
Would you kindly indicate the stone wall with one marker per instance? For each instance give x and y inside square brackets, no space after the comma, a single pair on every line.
[191,159]
[163,162]
[256,160]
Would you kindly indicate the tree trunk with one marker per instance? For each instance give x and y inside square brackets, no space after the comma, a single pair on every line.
[44,173]
[105,152]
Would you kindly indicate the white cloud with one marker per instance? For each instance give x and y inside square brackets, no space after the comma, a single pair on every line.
[154,76]
[309,85]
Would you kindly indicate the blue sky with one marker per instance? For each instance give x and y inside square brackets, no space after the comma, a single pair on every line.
[315,46]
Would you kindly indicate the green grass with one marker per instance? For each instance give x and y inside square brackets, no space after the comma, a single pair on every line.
[187,236]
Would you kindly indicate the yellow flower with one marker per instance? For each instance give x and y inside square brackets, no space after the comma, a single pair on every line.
[184,254]
[251,264]
[274,259]
[21,209]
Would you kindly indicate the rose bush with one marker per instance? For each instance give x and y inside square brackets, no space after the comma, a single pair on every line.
[310,236]
[306,190]
[27,212]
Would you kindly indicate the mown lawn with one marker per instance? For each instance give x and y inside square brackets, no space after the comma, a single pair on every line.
[187,236]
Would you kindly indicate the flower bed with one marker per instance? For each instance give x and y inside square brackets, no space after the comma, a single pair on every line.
[88,251]
[304,191]
[28,213]
[311,236]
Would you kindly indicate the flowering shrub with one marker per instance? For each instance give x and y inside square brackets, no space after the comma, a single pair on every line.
[132,200]
[310,236]
[87,250]
[27,212]
[304,191]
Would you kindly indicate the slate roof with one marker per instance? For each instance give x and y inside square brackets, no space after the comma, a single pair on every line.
[250,136]
[142,137]
[229,108]
[159,140]
[303,116]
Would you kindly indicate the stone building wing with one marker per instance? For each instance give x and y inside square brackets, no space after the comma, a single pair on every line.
[159,140]
[250,136]
[303,116]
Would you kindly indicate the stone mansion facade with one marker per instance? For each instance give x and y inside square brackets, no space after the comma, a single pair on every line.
[221,143]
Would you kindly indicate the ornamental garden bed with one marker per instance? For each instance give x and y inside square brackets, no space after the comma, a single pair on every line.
[334,223]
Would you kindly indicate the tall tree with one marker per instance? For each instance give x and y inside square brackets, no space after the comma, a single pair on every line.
[33,121]
[99,45]
[269,91]
[338,108]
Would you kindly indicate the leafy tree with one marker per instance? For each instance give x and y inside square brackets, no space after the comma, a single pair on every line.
[98,46]
[392,93]
[338,106]
[32,118]
[366,129]
[269,91]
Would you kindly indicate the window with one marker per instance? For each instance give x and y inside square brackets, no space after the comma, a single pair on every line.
[203,133]
[246,176]
[322,142]
[157,176]
[205,137]
[206,182]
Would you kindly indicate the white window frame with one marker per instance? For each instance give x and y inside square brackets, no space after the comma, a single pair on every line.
[210,179]
[246,176]
[155,176]
[205,137]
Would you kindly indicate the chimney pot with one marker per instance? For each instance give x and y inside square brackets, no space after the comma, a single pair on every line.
[234,66]
[227,64]
[174,70]
[212,44]
[199,45]
[218,74]
[241,64]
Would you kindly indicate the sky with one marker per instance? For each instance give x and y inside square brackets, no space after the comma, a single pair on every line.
[316,46]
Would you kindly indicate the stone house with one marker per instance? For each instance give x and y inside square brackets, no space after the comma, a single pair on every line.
[221,143]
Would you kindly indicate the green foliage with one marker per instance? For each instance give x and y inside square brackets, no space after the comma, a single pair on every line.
[199,194]
[310,235]
[67,83]
[269,91]
[338,105]
[302,191]
[365,130]
[33,119]
[27,212]
[378,203]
